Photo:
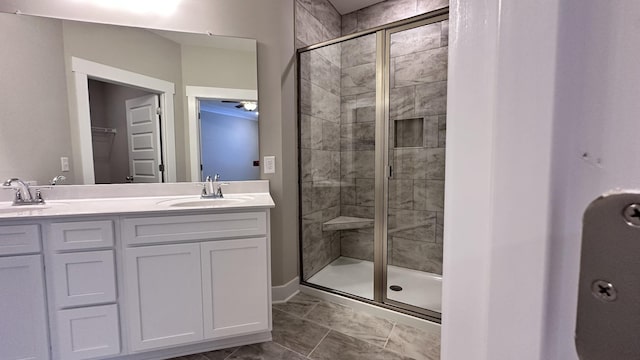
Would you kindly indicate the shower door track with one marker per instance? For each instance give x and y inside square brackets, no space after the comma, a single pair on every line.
[381,162]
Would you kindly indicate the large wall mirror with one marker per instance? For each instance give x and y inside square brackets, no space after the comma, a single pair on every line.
[113,104]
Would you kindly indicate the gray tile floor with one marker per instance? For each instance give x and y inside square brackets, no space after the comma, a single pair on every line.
[306,327]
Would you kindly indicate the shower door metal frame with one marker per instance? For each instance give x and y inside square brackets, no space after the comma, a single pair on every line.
[381,159]
[381,267]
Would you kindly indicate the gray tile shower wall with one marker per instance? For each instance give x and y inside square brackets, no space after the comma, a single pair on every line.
[357,142]
[317,21]
[337,93]
[418,95]
[387,12]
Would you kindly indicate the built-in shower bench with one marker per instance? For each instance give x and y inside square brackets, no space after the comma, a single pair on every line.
[347,223]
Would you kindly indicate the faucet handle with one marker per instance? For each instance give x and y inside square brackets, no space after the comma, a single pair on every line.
[9,182]
[219,190]
[216,178]
[57,179]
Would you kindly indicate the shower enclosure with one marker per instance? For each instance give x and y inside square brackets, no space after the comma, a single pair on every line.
[372,125]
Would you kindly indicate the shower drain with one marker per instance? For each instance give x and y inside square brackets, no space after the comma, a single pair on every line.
[395,287]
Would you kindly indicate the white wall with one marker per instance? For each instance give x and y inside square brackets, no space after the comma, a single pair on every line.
[218,67]
[270,22]
[34,117]
[543,118]
[499,131]
[597,112]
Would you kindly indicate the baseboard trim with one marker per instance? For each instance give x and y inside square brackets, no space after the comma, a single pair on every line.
[282,293]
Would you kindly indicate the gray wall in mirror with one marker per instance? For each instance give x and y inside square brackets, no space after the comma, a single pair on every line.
[38,101]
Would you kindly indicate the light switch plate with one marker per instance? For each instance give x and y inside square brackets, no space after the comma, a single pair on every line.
[269,164]
[64,163]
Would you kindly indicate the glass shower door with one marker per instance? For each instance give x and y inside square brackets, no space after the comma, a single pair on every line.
[416,118]
[337,94]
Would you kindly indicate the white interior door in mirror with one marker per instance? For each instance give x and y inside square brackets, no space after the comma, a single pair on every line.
[143,131]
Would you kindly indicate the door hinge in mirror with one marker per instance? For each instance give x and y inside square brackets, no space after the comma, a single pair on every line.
[159,111]
[161,167]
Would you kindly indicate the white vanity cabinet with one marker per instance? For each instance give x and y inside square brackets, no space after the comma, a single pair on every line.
[84,314]
[135,278]
[23,324]
[193,278]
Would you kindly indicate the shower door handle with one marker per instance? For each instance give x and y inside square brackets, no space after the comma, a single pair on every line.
[608,316]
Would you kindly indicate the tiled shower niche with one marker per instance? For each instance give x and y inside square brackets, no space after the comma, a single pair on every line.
[408,133]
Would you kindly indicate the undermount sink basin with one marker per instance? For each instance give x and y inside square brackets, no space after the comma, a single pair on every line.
[198,202]
[21,209]
[207,202]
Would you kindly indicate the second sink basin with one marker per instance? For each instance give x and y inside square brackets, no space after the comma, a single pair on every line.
[198,202]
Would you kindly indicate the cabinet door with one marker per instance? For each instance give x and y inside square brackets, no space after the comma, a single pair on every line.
[163,295]
[87,333]
[235,287]
[84,278]
[23,328]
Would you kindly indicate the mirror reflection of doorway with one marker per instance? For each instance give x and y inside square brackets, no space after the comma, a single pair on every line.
[228,139]
[125,134]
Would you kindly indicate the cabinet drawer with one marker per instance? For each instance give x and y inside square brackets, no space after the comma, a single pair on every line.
[19,239]
[88,332]
[85,278]
[137,231]
[81,235]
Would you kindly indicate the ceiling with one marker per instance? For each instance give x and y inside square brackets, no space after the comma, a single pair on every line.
[224,108]
[347,6]
[213,41]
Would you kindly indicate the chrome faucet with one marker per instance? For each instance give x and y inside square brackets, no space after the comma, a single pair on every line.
[214,187]
[23,193]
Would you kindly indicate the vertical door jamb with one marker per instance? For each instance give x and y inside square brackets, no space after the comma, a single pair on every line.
[380,221]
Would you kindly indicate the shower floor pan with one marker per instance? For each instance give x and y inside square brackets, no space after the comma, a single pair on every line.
[353,276]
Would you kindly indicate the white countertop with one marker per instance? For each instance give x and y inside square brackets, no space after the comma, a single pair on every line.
[104,202]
